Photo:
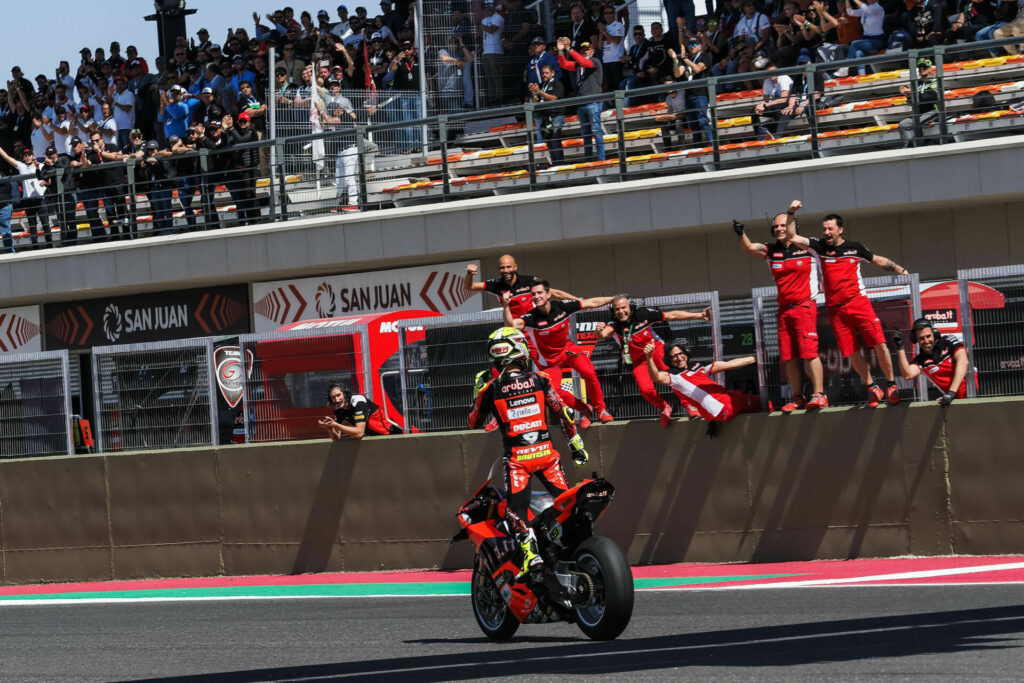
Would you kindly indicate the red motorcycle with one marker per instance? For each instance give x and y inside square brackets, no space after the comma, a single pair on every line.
[585,579]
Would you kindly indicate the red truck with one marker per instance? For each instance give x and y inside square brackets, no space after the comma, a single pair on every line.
[295,371]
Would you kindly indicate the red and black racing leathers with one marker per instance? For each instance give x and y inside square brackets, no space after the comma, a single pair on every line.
[519,399]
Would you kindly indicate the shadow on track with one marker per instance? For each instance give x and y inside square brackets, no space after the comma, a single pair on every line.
[768,646]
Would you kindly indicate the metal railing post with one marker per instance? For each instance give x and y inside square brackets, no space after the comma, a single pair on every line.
[442,134]
[712,86]
[620,132]
[941,104]
[279,153]
[531,138]
[915,99]
[967,325]
[361,155]
[810,84]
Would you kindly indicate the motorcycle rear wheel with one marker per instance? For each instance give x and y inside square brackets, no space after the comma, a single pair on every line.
[492,614]
[606,614]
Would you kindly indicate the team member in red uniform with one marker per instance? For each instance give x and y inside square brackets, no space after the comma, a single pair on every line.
[942,359]
[795,270]
[849,308]
[548,325]
[519,399]
[355,416]
[633,329]
[509,280]
[692,383]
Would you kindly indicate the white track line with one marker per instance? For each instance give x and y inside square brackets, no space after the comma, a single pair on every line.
[904,576]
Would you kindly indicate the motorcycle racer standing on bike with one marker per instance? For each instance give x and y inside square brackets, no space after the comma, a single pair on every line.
[518,399]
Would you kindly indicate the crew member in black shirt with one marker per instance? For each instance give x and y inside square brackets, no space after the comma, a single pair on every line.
[942,359]
[355,416]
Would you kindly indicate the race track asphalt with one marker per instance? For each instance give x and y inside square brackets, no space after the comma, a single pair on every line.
[896,633]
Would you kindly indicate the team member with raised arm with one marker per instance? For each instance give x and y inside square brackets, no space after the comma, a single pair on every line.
[795,269]
[548,325]
[849,309]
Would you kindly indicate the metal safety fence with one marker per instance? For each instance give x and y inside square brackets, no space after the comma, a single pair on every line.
[440,359]
[991,316]
[285,389]
[155,395]
[35,405]
[615,369]
[897,303]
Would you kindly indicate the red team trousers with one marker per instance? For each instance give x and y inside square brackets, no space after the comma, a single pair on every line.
[573,358]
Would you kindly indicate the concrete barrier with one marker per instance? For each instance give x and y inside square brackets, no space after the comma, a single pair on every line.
[843,483]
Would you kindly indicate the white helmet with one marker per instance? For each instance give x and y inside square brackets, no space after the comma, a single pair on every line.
[506,351]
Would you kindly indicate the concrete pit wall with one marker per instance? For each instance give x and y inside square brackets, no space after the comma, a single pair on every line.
[845,483]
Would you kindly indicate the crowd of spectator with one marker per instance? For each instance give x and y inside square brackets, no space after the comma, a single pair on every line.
[212,95]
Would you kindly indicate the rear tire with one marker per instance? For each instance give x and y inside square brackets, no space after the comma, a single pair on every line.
[492,614]
[606,614]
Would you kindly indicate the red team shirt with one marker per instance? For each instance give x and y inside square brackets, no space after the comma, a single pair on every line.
[796,276]
[938,365]
[637,332]
[521,301]
[840,268]
[550,332]
[705,394]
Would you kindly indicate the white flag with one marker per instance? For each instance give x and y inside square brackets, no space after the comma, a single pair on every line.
[316,126]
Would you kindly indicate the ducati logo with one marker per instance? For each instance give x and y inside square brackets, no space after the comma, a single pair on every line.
[530,437]
[326,304]
[112,323]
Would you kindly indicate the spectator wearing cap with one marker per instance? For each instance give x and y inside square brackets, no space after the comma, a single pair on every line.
[672,129]
[61,127]
[587,79]
[208,109]
[124,109]
[323,21]
[241,182]
[220,163]
[26,85]
[492,24]
[377,25]
[83,124]
[377,60]
[131,54]
[32,194]
[64,76]
[6,209]
[111,186]
[90,182]
[550,121]
[204,43]
[57,199]
[340,28]
[107,126]
[147,96]
[464,45]
[927,100]
[187,171]
[176,111]
[539,56]
[393,19]
[241,73]
[357,33]
[156,181]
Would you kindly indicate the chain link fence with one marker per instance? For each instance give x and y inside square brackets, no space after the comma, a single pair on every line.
[35,405]
[285,393]
[992,317]
[897,302]
[156,395]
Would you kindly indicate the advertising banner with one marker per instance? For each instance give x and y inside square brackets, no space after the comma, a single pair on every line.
[20,330]
[159,316]
[430,288]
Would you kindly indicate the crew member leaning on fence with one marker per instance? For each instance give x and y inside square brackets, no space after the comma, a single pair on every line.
[692,384]
[942,359]
[634,329]
[355,416]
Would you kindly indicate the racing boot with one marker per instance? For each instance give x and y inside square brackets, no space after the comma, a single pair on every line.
[892,394]
[666,415]
[532,561]
[604,416]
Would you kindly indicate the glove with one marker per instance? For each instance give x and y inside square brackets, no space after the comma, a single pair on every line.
[897,339]
[946,399]
[737,227]
[579,453]
[480,381]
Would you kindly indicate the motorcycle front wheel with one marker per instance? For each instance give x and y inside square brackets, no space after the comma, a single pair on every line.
[606,613]
[492,614]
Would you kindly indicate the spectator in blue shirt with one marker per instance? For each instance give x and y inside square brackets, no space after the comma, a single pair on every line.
[539,58]
[176,111]
[241,74]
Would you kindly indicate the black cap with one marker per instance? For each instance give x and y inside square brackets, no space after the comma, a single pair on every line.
[76,141]
[152,144]
[51,150]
